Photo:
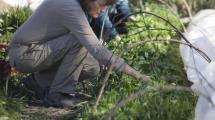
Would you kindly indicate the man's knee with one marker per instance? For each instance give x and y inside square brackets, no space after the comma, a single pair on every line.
[90,72]
[95,70]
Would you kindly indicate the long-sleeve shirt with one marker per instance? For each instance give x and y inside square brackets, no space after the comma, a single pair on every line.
[54,18]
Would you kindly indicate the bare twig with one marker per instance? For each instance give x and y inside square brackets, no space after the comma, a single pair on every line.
[128,48]
[173,12]
[6,85]
[108,73]
[204,55]
[166,88]
[112,65]
[103,85]
[188,9]
[143,42]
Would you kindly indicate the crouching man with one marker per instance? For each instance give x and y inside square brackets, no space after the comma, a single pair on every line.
[57,45]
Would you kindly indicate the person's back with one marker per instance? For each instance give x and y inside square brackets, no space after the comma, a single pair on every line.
[44,24]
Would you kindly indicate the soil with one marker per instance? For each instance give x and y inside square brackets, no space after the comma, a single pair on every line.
[48,113]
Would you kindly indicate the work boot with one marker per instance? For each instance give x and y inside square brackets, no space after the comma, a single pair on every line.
[32,86]
[57,99]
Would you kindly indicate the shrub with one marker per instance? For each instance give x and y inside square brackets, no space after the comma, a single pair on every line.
[11,20]
[160,60]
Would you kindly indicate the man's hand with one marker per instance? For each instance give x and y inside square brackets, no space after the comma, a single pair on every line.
[132,72]
[140,76]
[117,38]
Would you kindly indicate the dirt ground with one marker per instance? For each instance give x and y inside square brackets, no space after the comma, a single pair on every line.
[34,110]
[49,113]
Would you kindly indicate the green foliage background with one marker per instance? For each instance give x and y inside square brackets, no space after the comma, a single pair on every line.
[160,60]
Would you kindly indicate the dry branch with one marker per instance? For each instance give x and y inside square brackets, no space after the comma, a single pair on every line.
[141,93]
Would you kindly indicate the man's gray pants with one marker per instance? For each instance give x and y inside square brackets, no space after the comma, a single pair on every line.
[57,64]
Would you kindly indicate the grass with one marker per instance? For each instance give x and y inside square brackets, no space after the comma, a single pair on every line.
[160,60]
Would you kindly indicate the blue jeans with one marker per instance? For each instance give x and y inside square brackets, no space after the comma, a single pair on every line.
[123,8]
[110,32]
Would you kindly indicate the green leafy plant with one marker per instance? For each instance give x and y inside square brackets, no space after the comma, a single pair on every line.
[10,108]
[160,60]
[157,58]
[10,21]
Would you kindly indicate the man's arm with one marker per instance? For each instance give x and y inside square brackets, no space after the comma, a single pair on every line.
[74,19]
[134,73]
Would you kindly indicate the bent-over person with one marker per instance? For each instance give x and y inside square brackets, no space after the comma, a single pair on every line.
[57,45]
